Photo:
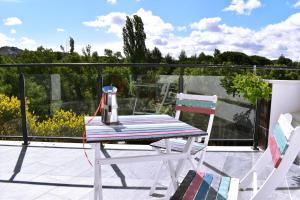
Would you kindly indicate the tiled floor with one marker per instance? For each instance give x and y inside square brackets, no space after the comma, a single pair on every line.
[64,173]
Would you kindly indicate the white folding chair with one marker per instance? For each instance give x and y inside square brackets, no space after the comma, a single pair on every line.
[282,150]
[188,103]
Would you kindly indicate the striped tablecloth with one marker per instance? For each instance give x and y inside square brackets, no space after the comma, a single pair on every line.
[139,127]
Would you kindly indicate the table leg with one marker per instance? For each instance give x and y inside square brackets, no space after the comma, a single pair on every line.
[97,174]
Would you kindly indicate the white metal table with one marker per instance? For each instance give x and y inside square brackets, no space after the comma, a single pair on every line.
[139,127]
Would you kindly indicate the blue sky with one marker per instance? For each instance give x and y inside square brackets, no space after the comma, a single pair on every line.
[262,27]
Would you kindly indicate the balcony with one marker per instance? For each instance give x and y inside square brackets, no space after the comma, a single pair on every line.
[52,166]
[60,171]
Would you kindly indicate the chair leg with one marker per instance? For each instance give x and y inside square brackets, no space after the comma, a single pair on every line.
[190,159]
[201,159]
[153,187]
[169,191]
[257,167]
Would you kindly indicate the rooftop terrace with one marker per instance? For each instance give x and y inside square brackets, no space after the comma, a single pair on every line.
[61,171]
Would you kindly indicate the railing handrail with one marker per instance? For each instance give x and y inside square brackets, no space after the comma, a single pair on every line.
[150,65]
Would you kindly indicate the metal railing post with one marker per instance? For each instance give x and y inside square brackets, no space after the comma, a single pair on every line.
[256,120]
[23,108]
[256,125]
[99,85]
[181,80]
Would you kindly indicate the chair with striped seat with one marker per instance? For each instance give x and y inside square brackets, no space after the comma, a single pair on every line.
[202,104]
[282,150]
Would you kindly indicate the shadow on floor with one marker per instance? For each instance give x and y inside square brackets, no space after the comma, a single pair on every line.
[115,168]
[19,162]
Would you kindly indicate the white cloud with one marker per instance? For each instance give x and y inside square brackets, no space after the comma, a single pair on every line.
[13,31]
[22,42]
[154,25]
[113,22]
[210,24]
[11,21]
[271,41]
[207,34]
[25,41]
[60,30]
[243,7]
[111,1]
[297,4]
[4,40]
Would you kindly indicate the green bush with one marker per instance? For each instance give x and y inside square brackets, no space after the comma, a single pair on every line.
[62,123]
[252,87]
[10,115]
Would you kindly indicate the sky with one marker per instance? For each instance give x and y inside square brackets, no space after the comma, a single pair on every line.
[267,28]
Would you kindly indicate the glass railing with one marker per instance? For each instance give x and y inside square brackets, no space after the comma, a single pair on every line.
[58,97]
[10,113]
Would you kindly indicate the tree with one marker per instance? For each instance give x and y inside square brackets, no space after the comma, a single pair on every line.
[259,60]
[108,52]
[62,48]
[237,58]
[169,59]
[134,39]
[217,56]
[118,55]
[154,56]
[87,51]
[182,56]
[71,42]
[95,57]
[284,61]
[111,57]
[205,59]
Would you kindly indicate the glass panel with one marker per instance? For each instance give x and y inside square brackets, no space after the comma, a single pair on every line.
[234,117]
[155,95]
[10,114]
[59,101]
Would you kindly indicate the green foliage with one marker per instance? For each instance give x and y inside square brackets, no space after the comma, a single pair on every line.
[134,40]
[227,84]
[10,115]
[37,88]
[238,58]
[62,123]
[111,57]
[41,55]
[252,87]
[284,61]
[261,61]
[169,59]
[182,56]
[154,56]
[87,53]
[205,59]
[72,58]
[71,43]
[9,81]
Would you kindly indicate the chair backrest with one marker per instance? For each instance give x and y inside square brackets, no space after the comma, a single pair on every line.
[203,104]
[282,150]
